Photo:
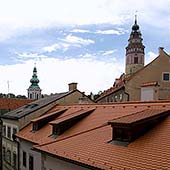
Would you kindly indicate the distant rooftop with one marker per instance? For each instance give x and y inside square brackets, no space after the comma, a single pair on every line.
[33,106]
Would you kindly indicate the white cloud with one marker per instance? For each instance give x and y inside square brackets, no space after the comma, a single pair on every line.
[67,42]
[117,32]
[51,48]
[109,52]
[150,56]
[48,13]
[77,41]
[55,74]
[80,31]
[23,56]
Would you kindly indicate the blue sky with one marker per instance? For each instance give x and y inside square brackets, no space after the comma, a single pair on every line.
[79,41]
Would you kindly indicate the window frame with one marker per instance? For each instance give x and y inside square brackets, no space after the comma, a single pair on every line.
[4,130]
[168,73]
[14,161]
[9,132]
[24,158]
[136,60]
[31,162]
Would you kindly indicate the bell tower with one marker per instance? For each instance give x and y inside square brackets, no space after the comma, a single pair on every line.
[34,91]
[134,51]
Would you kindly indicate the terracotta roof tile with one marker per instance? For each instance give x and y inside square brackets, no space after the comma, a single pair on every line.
[151,151]
[87,141]
[13,103]
[139,116]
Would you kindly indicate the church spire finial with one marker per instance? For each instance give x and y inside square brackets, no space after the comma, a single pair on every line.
[136,17]
[135,27]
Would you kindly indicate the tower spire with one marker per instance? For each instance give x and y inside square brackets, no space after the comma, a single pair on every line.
[135,18]
[34,91]
[134,50]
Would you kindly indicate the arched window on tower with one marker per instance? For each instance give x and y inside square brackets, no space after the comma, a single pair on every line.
[135,60]
[37,96]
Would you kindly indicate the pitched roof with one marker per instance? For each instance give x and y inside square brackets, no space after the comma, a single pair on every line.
[29,108]
[13,103]
[87,142]
[109,92]
[138,116]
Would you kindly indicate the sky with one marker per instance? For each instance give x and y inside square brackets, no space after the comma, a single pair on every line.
[79,41]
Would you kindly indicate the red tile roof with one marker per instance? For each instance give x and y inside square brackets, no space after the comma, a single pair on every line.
[87,142]
[13,103]
[144,114]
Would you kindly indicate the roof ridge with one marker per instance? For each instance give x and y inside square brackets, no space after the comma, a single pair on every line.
[159,110]
[81,109]
[68,137]
[130,114]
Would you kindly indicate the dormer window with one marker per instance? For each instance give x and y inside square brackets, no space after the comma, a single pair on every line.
[126,129]
[41,121]
[59,126]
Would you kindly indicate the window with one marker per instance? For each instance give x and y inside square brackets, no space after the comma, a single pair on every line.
[166,76]
[135,60]
[4,130]
[14,161]
[3,152]
[14,132]
[24,159]
[8,156]
[31,163]
[9,132]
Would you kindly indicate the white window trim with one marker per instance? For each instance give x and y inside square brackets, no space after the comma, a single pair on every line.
[163,76]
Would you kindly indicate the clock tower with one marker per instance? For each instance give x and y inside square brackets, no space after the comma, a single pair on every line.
[134,51]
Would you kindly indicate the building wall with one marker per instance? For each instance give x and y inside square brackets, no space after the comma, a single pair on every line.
[27,148]
[118,96]
[22,122]
[9,146]
[51,163]
[147,93]
[152,72]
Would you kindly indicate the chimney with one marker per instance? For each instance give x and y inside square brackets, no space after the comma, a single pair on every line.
[72,86]
[160,49]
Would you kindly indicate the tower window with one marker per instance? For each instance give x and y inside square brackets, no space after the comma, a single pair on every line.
[136,60]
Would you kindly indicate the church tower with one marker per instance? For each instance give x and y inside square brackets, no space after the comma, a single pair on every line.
[34,91]
[134,51]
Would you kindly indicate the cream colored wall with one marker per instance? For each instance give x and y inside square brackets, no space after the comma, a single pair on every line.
[153,72]
[51,163]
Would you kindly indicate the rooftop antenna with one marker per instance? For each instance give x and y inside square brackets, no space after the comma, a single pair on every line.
[8,88]
[8,85]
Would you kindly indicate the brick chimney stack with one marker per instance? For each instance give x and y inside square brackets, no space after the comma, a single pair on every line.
[72,86]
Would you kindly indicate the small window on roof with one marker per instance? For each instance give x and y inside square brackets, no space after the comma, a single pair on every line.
[31,105]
